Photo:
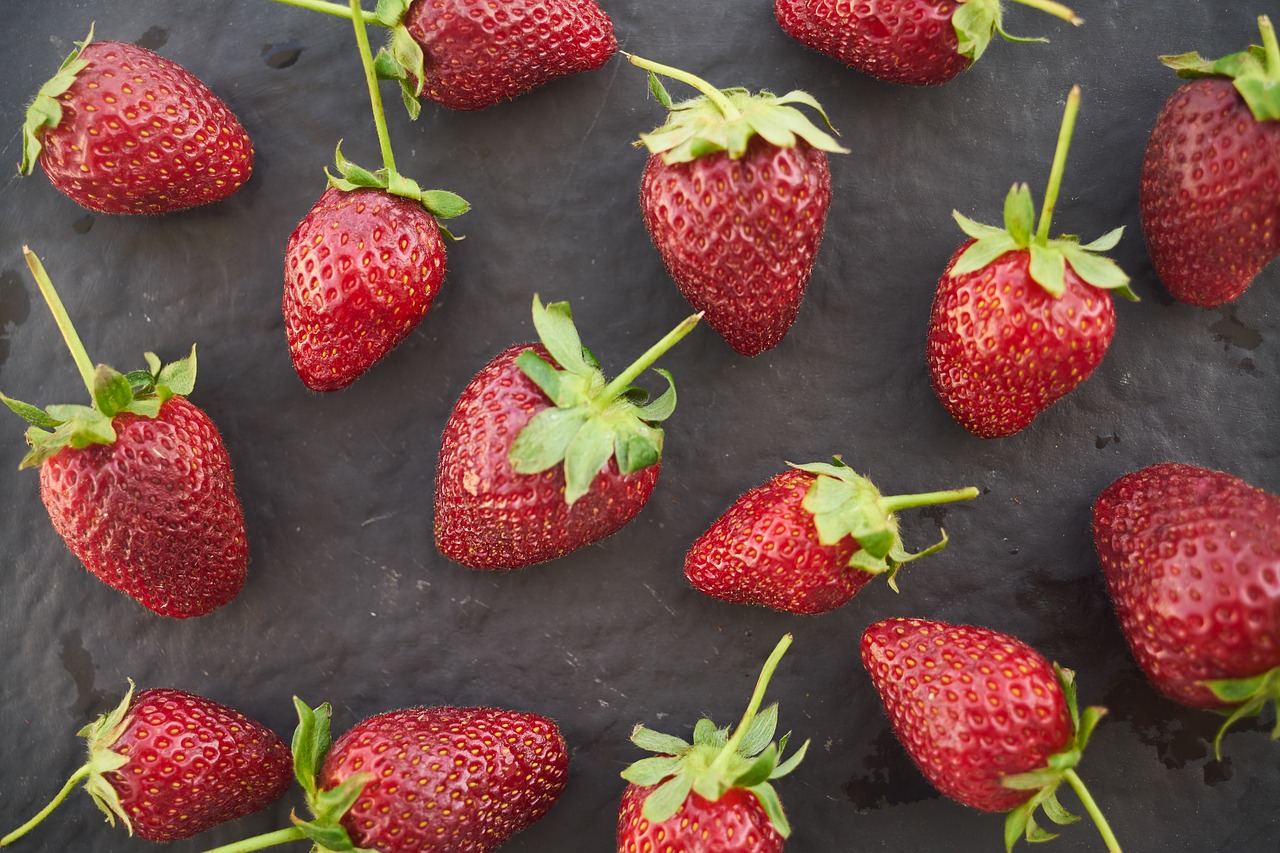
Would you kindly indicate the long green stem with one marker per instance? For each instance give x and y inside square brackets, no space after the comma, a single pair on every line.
[730,748]
[1059,165]
[375,96]
[652,354]
[1086,799]
[1056,9]
[335,9]
[1269,45]
[83,363]
[44,812]
[894,503]
[726,107]
[261,842]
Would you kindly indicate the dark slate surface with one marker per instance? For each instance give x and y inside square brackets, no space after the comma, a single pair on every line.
[348,600]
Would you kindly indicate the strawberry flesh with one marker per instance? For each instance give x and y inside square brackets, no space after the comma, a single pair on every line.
[732,824]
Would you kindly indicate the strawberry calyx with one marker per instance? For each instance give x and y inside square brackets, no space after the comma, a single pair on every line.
[1255,72]
[45,111]
[441,204]
[727,119]
[1059,768]
[717,761]
[139,392]
[976,21]
[590,420]
[846,504]
[1248,697]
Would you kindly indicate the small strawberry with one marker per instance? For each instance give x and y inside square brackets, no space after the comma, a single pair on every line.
[735,196]
[540,456]
[120,129]
[916,42]
[1192,562]
[170,764]
[1018,319]
[807,540]
[139,484]
[989,722]
[1210,190]
[713,795]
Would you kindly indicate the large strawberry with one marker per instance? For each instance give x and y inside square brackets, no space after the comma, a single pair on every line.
[541,456]
[139,484]
[1210,190]
[1018,319]
[120,129]
[989,722]
[169,764]
[807,540]
[713,795]
[735,196]
[1192,562]
[916,42]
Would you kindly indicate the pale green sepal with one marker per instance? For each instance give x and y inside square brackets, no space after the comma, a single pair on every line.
[1106,242]
[760,770]
[654,741]
[975,229]
[545,440]
[101,735]
[1048,268]
[975,22]
[638,447]
[441,204]
[760,733]
[768,798]
[45,111]
[329,806]
[705,733]
[1250,696]
[587,453]
[1032,780]
[1099,271]
[651,771]
[1254,72]
[178,376]
[1055,811]
[544,375]
[555,328]
[311,741]
[667,800]
[984,251]
[664,406]
[111,391]
[1019,214]
[30,414]
[389,13]
[659,91]
[146,408]
[791,763]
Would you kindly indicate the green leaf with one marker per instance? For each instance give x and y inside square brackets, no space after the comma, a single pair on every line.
[408,57]
[1015,824]
[443,204]
[760,732]
[147,408]
[544,375]
[30,414]
[45,110]
[768,798]
[1106,242]
[179,376]
[982,252]
[1020,214]
[850,507]
[653,741]
[975,229]
[554,324]
[111,391]
[659,91]
[665,405]
[791,763]
[390,13]
[667,799]
[1032,780]
[330,805]
[705,733]
[975,23]
[81,426]
[1048,269]
[1094,269]
[759,770]
[153,363]
[1055,811]
[1088,722]
[637,447]
[311,740]
[588,452]
[545,440]
[651,771]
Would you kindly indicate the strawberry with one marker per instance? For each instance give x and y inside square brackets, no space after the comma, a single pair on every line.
[1210,189]
[989,722]
[169,765]
[540,456]
[807,540]
[1018,319]
[915,42]
[120,129]
[713,795]
[1192,562]
[735,195]
[139,484]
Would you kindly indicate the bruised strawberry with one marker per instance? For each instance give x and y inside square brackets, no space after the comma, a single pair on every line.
[169,765]
[1210,190]
[540,456]
[989,722]
[120,129]
[807,540]
[735,195]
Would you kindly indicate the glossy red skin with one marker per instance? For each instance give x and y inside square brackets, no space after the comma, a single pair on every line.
[193,764]
[479,53]
[969,705]
[487,516]
[735,823]
[740,236]
[155,514]
[765,550]
[448,780]
[900,41]
[140,134]
[361,271]
[1001,349]
[1192,562]
[1210,193]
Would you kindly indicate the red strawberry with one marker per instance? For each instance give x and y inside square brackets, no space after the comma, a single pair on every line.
[170,764]
[1019,320]
[917,42]
[806,541]
[713,795]
[139,484]
[540,456]
[1192,562]
[989,722]
[735,196]
[1210,191]
[120,129]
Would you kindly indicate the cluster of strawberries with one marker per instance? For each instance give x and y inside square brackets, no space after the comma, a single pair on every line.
[543,454]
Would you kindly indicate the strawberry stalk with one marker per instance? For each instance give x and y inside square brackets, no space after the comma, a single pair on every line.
[375,96]
[75,779]
[726,107]
[1058,10]
[1059,164]
[753,706]
[335,9]
[81,356]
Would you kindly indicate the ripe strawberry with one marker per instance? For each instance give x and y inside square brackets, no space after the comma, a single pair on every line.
[1210,190]
[989,722]
[714,795]
[1192,562]
[170,764]
[735,196]
[1018,320]
[120,129]
[916,42]
[540,456]
[139,483]
[807,540]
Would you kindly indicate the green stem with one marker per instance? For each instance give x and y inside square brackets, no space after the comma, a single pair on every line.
[652,354]
[375,96]
[894,503]
[44,812]
[1086,799]
[60,316]
[335,9]
[1056,9]
[730,748]
[260,842]
[726,107]
[1059,165]
[1270,45]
